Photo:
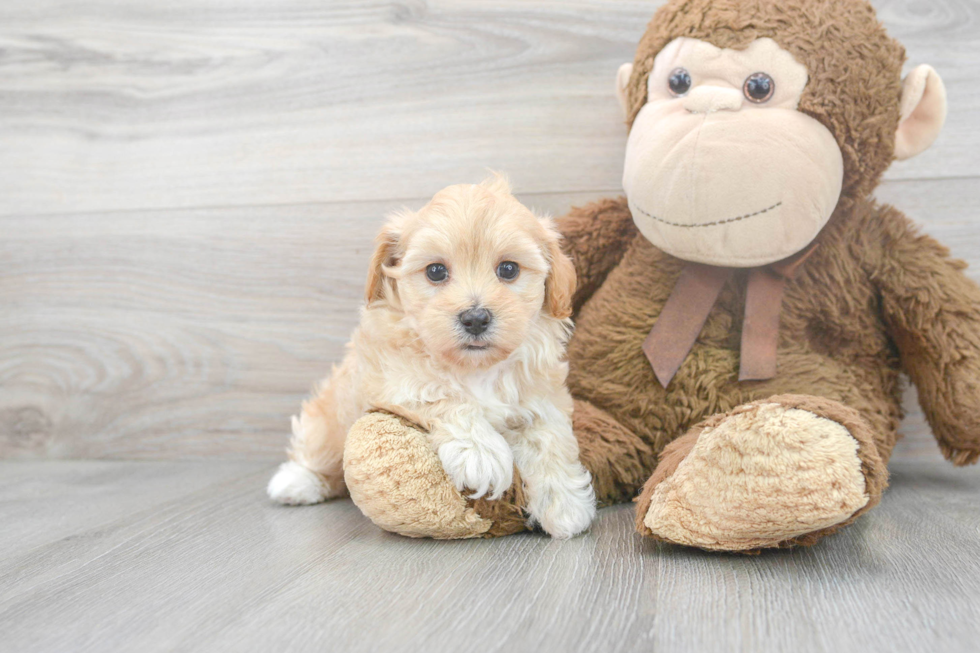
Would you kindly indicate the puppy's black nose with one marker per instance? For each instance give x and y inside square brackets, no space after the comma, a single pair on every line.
[475,320]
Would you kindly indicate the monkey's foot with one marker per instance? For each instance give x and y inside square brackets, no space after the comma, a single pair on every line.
[398,482]
[775,473]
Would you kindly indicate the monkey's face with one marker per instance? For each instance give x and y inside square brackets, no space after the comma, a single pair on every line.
[721,167]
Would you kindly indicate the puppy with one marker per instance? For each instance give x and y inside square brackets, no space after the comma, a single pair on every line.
[464,333]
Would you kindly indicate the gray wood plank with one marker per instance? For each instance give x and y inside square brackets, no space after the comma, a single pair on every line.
[221,569]
[113,105]
[194,334]
[44,503]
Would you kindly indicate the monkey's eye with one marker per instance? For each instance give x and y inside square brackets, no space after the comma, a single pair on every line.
[759,87]
[679,81]
[436,273]
[508,270]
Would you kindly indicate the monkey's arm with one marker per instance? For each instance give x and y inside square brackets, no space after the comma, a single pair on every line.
[932,310]
[596,236]
[618,459]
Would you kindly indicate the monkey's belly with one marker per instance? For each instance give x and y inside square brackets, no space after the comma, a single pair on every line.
[609,369]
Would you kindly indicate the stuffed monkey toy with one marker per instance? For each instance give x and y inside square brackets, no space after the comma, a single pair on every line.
[744,315]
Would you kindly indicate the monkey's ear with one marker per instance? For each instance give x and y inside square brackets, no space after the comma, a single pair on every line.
[386,245]
[622,83]
[922,112]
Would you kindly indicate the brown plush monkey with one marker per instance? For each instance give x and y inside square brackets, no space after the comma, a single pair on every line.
[745,313]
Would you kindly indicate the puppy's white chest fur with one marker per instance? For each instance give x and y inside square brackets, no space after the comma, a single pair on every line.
[496,392]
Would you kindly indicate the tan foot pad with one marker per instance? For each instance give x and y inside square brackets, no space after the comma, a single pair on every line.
[397,481]
[760,476]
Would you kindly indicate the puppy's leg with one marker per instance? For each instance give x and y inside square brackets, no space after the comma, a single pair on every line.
[559,488]
[473,453]
[316,450]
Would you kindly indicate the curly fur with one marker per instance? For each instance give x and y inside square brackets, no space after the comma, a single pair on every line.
[488,399]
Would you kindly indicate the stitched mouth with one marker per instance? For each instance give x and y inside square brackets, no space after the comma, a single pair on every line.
[713,223]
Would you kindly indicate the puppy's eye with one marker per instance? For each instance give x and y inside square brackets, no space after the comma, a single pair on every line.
[436,273]
[508,270]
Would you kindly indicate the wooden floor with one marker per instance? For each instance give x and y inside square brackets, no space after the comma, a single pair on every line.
[188,194]
[171,556]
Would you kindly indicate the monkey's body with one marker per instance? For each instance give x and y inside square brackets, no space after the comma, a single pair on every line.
[831,344]
[843,317]
[744,465]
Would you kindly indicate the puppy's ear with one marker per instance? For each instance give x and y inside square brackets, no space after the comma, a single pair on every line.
[559,287]
[385,256]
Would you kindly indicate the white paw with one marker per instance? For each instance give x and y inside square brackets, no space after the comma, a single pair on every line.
[564,509]
[480,465]
[295,485]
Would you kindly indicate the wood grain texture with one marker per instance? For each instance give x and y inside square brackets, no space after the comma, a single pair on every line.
[118,564]
[114,105]
[189,190]
[190,334]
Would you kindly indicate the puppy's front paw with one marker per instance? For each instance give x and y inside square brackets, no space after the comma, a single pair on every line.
[564,508]
[478,465]
[295,485]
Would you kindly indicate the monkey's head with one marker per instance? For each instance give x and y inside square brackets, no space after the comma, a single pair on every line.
[750,119]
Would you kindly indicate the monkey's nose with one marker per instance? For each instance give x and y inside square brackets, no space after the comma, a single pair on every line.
[708,99]
[475,320]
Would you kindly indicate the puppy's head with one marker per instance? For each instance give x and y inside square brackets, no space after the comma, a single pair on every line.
[472,271]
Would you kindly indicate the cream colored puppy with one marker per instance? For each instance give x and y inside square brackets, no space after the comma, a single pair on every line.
[463,333]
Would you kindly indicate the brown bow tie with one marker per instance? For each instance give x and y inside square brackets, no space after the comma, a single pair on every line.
[695,293]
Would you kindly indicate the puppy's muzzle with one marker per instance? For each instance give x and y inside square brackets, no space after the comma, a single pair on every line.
[475,320]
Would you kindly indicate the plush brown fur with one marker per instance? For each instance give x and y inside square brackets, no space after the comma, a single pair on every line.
[908,308]
[507,513]
[875,299]
[613,477]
